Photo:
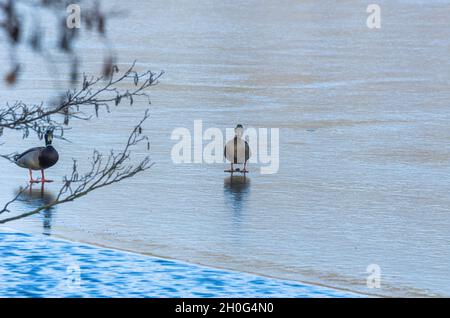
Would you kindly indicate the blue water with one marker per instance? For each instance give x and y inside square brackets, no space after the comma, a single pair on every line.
[39,266]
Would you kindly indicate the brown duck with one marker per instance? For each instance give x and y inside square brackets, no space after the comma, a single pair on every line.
[39,158]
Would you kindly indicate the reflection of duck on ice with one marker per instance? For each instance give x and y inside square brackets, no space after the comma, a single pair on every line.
[237,151]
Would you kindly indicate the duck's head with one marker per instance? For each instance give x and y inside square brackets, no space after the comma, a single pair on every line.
[239,130]
[48,137]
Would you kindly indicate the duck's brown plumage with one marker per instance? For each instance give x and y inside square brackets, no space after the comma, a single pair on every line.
[39,158]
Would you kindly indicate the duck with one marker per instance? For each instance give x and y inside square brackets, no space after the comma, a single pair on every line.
[39,158]
[237,150]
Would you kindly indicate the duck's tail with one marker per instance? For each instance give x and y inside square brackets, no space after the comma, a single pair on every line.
[11,157]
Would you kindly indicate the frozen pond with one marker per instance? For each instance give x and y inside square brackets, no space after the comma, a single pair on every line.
[364,142]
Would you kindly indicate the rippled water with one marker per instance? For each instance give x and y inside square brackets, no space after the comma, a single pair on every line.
[33,266]
[363,117]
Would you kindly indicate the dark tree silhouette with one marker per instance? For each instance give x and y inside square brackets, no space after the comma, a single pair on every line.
[84,99]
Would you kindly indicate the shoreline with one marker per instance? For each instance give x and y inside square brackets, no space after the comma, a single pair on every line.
[221,268]
[303,289]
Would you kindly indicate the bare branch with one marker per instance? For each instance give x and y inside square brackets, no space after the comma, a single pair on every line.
[95,92]
[104,171]
[5,208]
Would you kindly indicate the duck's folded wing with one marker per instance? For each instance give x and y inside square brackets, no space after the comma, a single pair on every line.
[248,151]
[228,151]
[30,158]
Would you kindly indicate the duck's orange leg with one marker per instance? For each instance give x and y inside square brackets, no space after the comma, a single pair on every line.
[43,177]
[31,177]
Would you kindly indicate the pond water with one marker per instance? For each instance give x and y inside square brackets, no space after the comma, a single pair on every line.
[364,141]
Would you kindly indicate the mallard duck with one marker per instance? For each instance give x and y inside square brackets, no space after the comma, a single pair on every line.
[39,158]
[237,151]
